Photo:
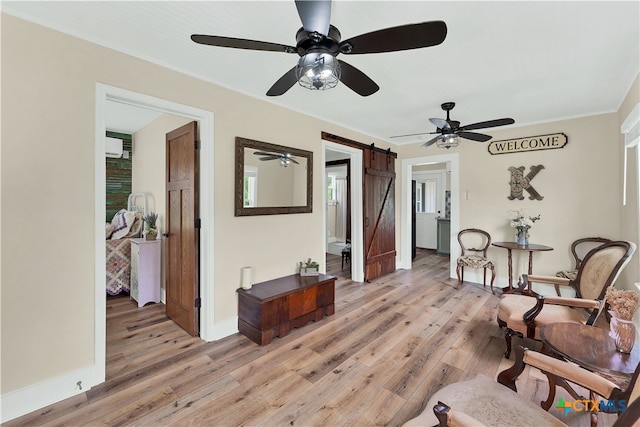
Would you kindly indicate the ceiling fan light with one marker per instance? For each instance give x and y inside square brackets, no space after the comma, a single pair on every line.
[318,71]
[448,140]
[285,161]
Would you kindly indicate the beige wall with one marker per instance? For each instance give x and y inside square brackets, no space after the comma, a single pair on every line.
[48,91]
[629,213]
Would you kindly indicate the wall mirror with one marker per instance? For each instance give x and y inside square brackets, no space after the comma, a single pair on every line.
[272,179]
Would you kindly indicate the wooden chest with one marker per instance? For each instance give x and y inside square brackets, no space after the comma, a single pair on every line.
[272,308]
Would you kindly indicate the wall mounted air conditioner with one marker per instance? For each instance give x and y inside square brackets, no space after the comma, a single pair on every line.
[113,147]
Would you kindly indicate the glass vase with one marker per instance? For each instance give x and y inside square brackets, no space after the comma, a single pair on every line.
[623,333]
[522,237]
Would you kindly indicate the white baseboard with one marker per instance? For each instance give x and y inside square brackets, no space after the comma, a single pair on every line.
[225,328]
[33,397]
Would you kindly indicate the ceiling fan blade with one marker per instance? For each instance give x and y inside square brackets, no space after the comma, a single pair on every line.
[293,160]
[480,137]
[356,80]
[431,141]
[264,153]
[489,124]
[414,134]
[315,15]
[440,123]
[269,158]
[404,37]
[241,43]
[284,83]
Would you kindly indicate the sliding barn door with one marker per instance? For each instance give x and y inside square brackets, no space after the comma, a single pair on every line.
[183,238]
[379,214]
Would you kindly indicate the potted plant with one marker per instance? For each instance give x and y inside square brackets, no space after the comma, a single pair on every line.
[308,268]
[151,231]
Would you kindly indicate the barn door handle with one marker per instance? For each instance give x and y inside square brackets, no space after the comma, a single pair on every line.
[366,222]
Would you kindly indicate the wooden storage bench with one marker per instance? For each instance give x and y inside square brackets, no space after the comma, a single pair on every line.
[274,307]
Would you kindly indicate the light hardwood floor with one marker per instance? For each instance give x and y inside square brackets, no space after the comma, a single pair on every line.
[389,346]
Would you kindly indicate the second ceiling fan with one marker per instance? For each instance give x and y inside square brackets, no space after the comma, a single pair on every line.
[449,130]
[318,43]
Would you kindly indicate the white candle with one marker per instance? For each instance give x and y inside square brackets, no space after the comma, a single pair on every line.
[246,277]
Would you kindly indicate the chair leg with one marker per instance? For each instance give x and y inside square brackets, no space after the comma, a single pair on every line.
[507,337]
[484,277]
[458,268]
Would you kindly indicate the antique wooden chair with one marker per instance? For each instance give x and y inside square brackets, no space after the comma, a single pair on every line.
[526,315]
[474,244]
[482,401]
[579,249]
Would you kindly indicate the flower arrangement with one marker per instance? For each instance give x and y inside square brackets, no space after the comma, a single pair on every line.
[623,303]
[522,222]
[308,267]
[150,222]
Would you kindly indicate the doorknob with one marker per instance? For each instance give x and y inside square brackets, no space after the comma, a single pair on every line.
[165,234]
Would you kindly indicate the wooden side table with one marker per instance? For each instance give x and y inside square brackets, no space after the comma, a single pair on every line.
[592,348]
[513,246]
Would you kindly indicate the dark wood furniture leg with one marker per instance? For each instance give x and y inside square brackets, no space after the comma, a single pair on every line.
[510,270]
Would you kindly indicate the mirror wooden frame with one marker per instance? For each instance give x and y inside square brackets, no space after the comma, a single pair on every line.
[240,209]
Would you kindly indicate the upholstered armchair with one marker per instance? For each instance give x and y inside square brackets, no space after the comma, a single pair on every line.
[524,316]
[485,402]
[473,245]
[579,249]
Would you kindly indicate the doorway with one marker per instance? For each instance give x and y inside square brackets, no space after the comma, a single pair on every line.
[105,94]
[333,151]
[452,164]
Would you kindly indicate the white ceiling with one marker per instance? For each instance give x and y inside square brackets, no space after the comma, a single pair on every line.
[532,61]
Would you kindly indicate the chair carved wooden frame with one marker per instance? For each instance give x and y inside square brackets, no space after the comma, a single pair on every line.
[525,315]
[475,261]
[579,248]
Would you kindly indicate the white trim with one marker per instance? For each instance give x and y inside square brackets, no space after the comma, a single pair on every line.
[405,207]
[357,229]
[35,396]
[630,128]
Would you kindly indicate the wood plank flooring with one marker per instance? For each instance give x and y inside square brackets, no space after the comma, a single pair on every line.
[389,346]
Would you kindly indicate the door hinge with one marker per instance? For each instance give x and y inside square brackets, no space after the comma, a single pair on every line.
[197,144]
[197,223]
[197,303]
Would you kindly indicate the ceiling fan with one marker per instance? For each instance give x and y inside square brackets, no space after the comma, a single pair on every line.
[449,130]
[285,158]
[318,44]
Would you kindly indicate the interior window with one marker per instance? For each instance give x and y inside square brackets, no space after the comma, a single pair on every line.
[250,186]
[331,188]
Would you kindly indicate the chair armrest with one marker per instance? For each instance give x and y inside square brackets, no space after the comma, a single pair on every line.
[570,372]
[547,279]
[596,306]
[574,302]
[450,417]
[527,279]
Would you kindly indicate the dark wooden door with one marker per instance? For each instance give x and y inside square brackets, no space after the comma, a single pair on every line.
[379,213]
[183,238]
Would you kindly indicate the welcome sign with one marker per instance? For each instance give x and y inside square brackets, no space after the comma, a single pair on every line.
[531,143]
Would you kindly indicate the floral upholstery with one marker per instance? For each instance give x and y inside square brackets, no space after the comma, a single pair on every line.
[568,274]
[489,403]
[474,261]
